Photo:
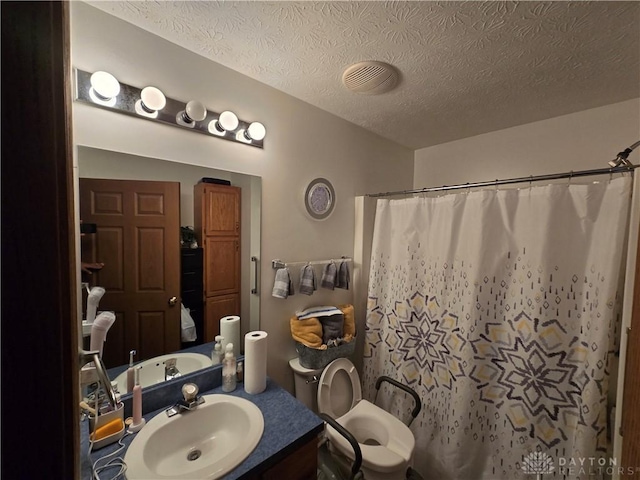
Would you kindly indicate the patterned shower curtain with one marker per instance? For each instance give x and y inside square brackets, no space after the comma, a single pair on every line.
[500,309]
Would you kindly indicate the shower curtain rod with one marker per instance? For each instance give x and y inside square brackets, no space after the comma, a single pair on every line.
[533,178]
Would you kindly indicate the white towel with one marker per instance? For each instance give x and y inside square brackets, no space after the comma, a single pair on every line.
[307,280]
[282,286]
[329,276]
[319,311]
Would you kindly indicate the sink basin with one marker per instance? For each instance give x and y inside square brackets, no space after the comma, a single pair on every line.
[152,370]
[207,442]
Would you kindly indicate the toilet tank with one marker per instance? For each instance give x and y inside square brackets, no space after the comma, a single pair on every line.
[306,384]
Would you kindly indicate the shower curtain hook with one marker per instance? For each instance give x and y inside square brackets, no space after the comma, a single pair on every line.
[496,184]
[530,181]
[570,177]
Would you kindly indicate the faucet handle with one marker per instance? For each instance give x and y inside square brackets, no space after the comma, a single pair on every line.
[189,392]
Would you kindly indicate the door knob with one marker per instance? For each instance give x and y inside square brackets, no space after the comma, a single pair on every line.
[173,301]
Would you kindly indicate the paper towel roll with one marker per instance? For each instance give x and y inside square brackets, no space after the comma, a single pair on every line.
[255,362]
[230,330]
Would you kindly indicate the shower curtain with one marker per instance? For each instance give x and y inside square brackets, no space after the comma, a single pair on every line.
[499,307]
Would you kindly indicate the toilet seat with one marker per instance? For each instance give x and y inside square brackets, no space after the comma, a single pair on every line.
[339,388]
[386,443]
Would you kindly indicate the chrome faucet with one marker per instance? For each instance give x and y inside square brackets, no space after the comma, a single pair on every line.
[170,369]
[94,356]
[190,402]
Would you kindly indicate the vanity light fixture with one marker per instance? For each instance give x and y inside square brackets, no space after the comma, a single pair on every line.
[151,101]
[226,122]
[104,88]
[193,112]
[101,89]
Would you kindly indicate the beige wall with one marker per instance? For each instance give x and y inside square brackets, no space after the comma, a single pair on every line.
[302,143]
[578,141]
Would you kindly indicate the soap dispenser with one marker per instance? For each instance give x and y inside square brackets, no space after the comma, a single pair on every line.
[229,370]
[217,355]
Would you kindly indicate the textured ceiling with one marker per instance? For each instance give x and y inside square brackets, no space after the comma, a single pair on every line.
[466,67]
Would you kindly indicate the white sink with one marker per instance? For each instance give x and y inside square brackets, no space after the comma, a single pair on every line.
[152,370]
[207,442]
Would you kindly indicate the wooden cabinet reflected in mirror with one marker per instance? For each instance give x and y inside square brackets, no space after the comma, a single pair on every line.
[217,225]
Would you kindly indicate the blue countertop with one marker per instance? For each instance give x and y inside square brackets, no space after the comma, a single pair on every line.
[288,424]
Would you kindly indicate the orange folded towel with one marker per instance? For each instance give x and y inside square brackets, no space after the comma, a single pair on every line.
[349,327]
[307,331]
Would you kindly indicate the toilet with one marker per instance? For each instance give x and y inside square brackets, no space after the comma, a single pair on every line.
[386,443]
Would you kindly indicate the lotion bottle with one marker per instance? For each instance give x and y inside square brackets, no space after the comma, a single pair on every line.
[217,355]
[229,370]
[130,373]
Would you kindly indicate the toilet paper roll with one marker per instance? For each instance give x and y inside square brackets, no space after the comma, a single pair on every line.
[255,362]
[230,330]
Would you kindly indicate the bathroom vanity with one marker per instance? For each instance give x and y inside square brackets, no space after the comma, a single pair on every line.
[287,448]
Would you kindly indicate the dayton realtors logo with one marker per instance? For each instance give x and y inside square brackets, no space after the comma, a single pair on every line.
[539,464]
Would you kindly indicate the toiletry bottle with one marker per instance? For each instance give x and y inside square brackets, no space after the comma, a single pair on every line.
[229,370]
[130,373]
[240,372]
[217,355]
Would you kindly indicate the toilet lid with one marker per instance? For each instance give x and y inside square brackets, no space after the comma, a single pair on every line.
[339,388]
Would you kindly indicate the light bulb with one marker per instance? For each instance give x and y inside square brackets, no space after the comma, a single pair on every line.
[105,85]
[195,111]
[228,121]
[256,131]
[152,99]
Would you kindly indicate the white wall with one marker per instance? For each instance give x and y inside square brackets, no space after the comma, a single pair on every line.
[302,143]
[577,141]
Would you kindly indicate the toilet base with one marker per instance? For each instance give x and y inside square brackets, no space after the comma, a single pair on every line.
[340,462]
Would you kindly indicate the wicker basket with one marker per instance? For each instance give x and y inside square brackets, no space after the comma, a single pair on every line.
[316,359]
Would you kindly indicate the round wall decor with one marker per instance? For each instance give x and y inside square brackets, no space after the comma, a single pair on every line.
[319,198]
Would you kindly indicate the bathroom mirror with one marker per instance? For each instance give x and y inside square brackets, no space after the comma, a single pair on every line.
[120,168]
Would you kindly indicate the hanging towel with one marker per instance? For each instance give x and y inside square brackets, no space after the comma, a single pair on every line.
[307,280]
[342,279]
[329,276]
[282,286]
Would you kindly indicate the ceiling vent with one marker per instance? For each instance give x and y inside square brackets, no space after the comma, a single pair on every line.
[370,77]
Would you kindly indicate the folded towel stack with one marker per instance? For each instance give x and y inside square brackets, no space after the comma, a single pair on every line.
[318,327]
[282,286]
[308,280]
[308,331]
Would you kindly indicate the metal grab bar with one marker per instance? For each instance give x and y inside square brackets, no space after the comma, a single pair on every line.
[357,463]
[401,386]
[254,290]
